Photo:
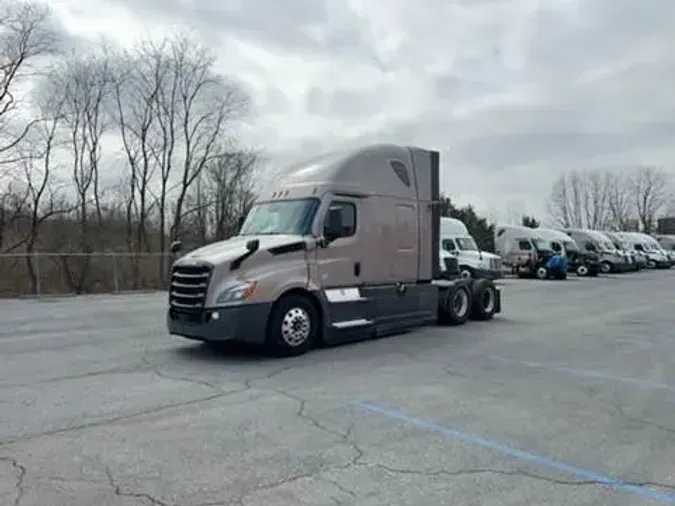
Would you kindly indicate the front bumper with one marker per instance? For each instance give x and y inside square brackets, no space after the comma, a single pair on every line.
[245,323]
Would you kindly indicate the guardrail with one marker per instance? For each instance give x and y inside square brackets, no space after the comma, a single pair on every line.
[43,273]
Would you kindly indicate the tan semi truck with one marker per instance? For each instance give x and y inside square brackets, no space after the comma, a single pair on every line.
[341,247]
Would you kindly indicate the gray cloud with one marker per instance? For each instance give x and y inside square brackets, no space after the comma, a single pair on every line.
[511,93]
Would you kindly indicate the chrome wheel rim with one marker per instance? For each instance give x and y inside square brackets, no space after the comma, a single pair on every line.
[296,326]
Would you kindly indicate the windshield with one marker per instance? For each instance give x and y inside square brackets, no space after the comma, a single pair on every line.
[570,246]
[607,246]
[466,244]
[293,217]
[542,245]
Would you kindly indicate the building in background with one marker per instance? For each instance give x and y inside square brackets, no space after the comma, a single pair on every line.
[665,226]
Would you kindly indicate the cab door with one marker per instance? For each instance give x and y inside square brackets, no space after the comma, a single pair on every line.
[338,263]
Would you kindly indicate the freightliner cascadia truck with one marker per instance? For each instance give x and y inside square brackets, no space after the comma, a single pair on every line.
[342,247]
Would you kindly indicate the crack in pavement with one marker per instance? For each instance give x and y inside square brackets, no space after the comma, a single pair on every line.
[57,379]
[20,476]
[620,409]
[118,419]
[136,495]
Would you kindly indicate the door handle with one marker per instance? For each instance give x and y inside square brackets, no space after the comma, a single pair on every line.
[357,269]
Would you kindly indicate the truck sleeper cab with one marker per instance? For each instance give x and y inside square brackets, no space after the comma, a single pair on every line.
[580,262]
[638,261]
[341,247]
[592,241]
[667,242]
[473,263]
[526,252]
[647,246]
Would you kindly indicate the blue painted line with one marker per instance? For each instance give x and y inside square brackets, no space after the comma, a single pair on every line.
[588,374]
[540,461]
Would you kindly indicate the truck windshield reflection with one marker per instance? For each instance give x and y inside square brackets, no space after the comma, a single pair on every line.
[286,217]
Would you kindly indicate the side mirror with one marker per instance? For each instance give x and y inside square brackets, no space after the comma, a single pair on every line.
[333,226]
[175,247]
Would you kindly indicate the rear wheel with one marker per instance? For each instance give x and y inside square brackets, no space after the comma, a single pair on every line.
[542,273]
[605,267]
[484,300]
[582,270]
[293,326]
[456,305]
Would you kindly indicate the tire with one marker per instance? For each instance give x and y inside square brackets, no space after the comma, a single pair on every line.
[651,264]
[583,270]
[293,327]
[483,300]
[605,267]
[466,272]
[542,272]
[456,305]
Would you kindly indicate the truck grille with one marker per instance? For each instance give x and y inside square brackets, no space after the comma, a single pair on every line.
[189,284]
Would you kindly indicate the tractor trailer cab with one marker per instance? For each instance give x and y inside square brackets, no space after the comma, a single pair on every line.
[647,246]
[582,263]
[528,254]
[473,263]
[639,261]
[341,247]
[592,241]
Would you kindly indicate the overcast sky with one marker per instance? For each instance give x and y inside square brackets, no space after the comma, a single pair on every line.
[511,91]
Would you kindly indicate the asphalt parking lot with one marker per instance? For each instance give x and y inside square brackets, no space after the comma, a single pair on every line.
[568,397]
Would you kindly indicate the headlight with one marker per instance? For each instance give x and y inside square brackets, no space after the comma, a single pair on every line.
[236,293]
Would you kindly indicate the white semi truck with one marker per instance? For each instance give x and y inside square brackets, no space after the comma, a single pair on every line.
[472,262]
[342,247]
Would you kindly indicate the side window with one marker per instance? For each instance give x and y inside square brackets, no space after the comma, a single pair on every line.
[448,245]
[524,245]
[401,171]
[639,247]
[348,212]
[556,247]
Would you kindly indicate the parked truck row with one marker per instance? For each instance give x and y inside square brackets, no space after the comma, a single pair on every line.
[346,246]
[550,254]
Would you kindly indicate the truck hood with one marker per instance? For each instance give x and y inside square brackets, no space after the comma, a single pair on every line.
[234,247]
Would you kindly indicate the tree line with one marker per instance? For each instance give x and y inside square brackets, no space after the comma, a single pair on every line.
[112,150]
[604,199]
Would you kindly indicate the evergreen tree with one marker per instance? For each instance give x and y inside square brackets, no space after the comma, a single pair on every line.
[479,228]
[530,222]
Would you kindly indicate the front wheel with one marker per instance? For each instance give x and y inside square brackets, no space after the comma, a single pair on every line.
[542,273]
[605,267]
[293,326]
[466,272]
[582,270]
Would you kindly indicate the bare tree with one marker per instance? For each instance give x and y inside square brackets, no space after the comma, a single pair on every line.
[619,200]
[175,113]
[221,196]
[82,86]
[596,199]
[207,105]
[26,35]
[44,197]
[566,202]
[651,189]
